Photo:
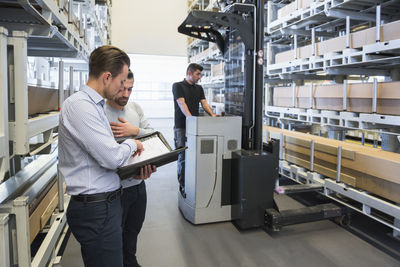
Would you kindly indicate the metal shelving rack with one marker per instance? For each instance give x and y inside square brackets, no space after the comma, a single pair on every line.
[321,21]
[43,28]
[4,153]
[207,54]
[308,26]
[362,201]
[63,24]
[54,30]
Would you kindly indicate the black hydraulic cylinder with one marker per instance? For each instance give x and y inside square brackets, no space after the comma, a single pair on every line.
[259,81]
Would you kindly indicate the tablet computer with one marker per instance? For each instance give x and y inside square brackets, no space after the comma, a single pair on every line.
[156,152]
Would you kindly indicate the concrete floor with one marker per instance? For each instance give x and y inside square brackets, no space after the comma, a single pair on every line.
[167,239]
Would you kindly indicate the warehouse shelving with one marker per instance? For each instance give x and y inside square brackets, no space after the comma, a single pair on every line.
[334,42]
[209,56]
[352,197]
[347,120]
[42,28]
[198,4]
[311,23]
[63,24]
[365,202]
[57,32]
[323,14]
[21,127]
[362,54]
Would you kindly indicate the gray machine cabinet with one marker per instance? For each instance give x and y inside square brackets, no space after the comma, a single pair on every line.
[210,142]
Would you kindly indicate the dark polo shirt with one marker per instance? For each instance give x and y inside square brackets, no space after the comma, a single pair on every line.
[192,95]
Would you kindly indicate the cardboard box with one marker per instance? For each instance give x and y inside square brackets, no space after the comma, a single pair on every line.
[306,3]
[391,31]
[43,100]
[388,101]
[289,8]
[304,51]
[360,97]
[282,96]
[331,45]
[284,56]
[329,96]
[217,69]
[364,37]
[303,97]
[388,98]
[286,10]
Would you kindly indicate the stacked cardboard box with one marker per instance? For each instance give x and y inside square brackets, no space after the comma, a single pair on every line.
[389,31]
[217,69]
[290,8]
[330,97]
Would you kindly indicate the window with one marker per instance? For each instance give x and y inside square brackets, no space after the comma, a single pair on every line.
[154,76]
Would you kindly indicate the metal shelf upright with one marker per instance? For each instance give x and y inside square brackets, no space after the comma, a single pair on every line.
[4,147]
[53,29]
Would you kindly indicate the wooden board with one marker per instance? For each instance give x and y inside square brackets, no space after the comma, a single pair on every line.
[34,218]
[42,213]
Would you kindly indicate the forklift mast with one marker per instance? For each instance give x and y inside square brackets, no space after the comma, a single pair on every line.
[239,34]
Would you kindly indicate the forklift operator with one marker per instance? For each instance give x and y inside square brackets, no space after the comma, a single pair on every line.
[187,96]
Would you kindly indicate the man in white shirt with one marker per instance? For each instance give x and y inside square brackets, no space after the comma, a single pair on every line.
[89,157]
[127,120]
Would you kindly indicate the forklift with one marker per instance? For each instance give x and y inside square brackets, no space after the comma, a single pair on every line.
[247,177]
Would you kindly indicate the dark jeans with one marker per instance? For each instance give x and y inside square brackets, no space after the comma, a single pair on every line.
[134,200]
[180,141]
[97,227]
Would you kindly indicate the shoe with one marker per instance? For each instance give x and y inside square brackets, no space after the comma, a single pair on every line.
[182,190]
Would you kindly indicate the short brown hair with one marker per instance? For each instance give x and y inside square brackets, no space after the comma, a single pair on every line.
[130,74]
[107,58]
[193,67]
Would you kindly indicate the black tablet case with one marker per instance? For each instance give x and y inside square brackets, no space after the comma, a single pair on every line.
[134,169]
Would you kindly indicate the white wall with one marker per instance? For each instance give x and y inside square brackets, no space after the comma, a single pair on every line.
[156,74]
[149,27]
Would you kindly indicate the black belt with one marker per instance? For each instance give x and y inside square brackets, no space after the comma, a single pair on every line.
[109,196]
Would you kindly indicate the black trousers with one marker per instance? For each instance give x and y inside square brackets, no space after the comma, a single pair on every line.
[97,227]
[180,141]
[134,200]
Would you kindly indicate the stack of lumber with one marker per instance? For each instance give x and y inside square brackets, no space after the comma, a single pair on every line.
[366,168]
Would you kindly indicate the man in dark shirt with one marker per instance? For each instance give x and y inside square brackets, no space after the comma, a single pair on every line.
[187,96]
